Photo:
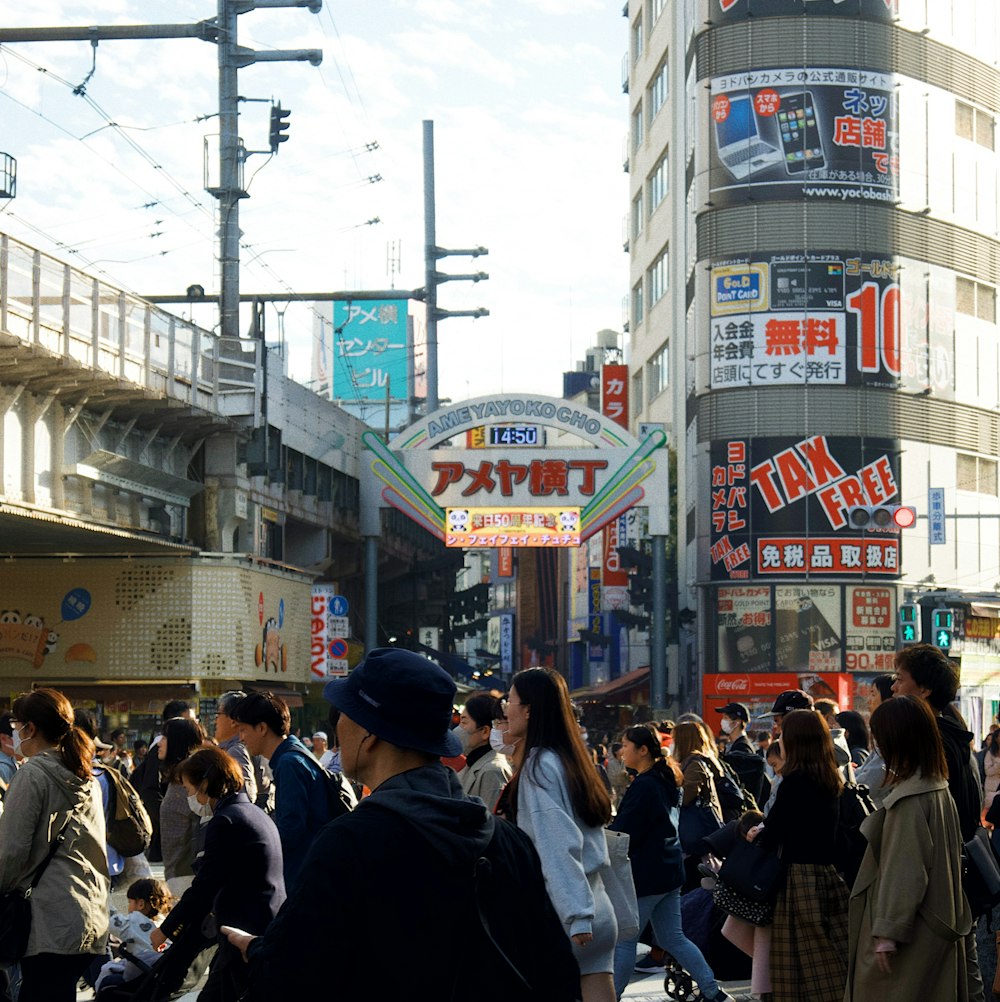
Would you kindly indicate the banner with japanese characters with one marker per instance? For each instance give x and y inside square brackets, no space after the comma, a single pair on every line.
[727,11]
[870,636]
[790,133]
[778,507]
[370,350]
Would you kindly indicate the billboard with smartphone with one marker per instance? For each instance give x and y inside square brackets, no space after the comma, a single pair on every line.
[727,11]
[827,133]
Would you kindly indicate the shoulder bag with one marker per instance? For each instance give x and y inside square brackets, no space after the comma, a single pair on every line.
[752,871]
[620,886]
[698,820]
[15,908]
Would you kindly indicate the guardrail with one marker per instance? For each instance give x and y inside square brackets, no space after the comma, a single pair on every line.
[48,303]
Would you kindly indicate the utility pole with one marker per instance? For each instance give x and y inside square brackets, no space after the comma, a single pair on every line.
[222,30]
[433,277]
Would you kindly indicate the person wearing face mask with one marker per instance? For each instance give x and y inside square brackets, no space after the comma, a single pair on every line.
[487,770]
[238,872]
[735,718]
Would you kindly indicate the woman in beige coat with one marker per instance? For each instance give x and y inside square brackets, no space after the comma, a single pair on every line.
[908,914]
[54,787]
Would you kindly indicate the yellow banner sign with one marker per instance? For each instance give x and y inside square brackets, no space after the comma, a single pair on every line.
[482,527]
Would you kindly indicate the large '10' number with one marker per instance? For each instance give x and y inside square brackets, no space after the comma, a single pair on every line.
[878,327]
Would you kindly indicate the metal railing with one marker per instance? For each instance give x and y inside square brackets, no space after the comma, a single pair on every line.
[68,313]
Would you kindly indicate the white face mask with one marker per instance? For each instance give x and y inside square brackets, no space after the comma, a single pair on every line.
[463,737]
[498,742]
[727,726]
[202,810]
[15,738]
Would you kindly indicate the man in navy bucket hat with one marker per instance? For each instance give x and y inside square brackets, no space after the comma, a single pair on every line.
[458,892]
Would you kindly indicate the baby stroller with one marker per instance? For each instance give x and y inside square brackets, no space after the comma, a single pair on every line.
[180,969]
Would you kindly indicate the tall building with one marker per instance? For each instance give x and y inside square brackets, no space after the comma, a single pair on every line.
[814,261]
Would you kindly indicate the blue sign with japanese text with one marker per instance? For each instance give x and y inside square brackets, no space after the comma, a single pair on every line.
[370,350]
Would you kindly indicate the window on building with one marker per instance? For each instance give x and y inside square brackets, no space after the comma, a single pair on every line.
[658,89]
[637,127]
[974,124]
[976,474]
[637,393]
[658,278]
[637,305]
[659,184]
[637,39]
[637,215]
[655,10]
[976,299]
[657,371]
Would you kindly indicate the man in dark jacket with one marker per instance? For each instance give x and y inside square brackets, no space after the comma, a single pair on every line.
[302,799]
[925,671]
[458,892]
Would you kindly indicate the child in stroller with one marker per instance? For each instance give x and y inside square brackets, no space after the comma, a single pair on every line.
[149,901]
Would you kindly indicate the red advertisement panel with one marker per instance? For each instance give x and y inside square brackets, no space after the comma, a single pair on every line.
[758,692]
[827,555]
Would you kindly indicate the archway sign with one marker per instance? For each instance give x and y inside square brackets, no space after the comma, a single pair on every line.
[423,476]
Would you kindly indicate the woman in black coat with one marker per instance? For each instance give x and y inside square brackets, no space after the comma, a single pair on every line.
[238,875]
[649,813]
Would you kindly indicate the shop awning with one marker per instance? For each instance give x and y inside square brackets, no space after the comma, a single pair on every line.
[616,687]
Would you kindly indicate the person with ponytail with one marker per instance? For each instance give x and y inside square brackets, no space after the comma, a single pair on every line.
[556,797]
[649,814]
[55,791]
[239,871]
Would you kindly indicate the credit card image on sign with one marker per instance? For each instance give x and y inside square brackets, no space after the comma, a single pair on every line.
[801,145]
[741,149]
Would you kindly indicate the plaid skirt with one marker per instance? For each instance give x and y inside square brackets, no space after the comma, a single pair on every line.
[809,936]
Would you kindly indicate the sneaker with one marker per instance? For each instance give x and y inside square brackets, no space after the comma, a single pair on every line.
[648,965]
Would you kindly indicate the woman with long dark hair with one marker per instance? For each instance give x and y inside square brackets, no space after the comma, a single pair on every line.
[809,932]
[557,798]
[856,733]
[649,813]
[54,791]
[178,825]
[909,917]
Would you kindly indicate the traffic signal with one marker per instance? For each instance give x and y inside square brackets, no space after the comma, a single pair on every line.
[944,628]
[909,623]
[279,126]
[881,516]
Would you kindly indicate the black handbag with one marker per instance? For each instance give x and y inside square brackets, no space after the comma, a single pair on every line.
[752,871]
[697,821]
[15,908]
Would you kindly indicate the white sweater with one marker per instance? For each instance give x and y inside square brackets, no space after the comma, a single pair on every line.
[569,850]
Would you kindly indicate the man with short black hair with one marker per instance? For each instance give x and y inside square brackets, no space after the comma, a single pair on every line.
[302,800]
[456,891]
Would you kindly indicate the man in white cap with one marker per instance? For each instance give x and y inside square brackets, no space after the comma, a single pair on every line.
[458,892]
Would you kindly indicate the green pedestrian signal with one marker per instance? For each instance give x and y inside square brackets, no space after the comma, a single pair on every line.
[909,623]
[909,633]
[944,628]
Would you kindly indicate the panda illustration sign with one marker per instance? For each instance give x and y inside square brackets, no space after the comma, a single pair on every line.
[488,527]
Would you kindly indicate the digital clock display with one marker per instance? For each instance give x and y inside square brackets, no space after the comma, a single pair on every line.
[514,434]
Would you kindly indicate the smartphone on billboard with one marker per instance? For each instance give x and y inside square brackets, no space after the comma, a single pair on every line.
[800,140]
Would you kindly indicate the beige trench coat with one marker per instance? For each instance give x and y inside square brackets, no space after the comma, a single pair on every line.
[909,889]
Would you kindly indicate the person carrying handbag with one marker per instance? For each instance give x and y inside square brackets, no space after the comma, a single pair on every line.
[54,792]
[701,810]
[649,814]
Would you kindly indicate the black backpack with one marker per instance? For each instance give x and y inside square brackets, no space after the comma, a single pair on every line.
[129,829]
[855,805]
[734,798]
[751,773]
[340,794]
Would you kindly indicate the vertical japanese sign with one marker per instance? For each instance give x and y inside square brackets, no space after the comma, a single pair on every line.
[803,133]
[595,621]
[506,642]
[614,405]
[370,350]
[935,515]
[870,637]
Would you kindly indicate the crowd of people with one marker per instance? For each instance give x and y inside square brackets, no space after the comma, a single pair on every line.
[487,828]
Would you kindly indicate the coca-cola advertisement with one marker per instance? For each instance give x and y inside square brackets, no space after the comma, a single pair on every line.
[758,692]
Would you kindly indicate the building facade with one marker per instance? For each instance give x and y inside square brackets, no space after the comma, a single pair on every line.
[814,260]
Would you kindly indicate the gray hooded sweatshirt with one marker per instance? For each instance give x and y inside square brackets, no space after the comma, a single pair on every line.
[69,907]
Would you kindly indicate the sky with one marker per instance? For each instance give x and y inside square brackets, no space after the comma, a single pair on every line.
[529,119]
